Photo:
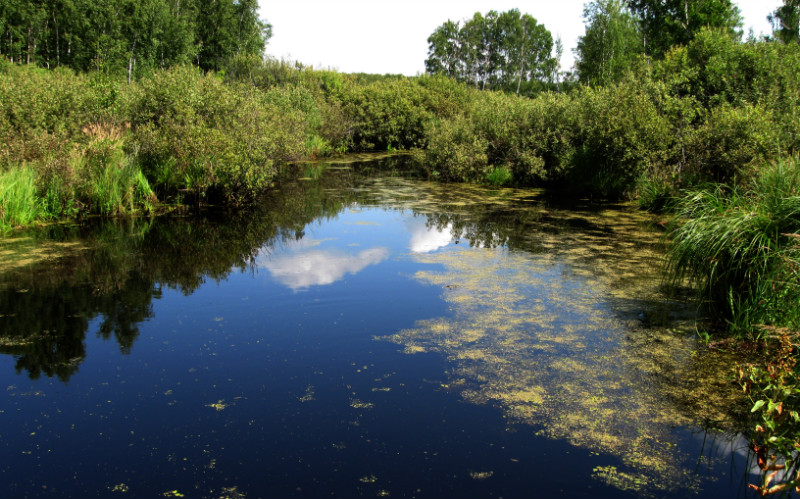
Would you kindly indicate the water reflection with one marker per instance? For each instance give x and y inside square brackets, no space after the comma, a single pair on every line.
[424,238]
[320,267]
[556,317]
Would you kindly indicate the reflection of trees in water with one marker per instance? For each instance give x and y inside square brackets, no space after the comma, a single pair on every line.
[46,308]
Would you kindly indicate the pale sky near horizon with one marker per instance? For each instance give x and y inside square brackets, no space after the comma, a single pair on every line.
[390,36]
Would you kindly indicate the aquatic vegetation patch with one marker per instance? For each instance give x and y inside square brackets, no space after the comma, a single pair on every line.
[219,405]
[562,341]
[23,251]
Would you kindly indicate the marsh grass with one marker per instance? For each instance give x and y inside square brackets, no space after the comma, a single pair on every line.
[741,246]
[18,200]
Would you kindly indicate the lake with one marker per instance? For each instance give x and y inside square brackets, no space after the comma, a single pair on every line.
[361,333]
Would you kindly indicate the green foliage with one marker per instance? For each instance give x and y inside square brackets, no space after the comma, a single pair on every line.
[667,23]
[507,50]
[110,182]
[786,22]
[455,152]
[18,201]
[731,141]
[387,113]
[500,176]
[774,391]
[130,37]
[621,134]
[740,245]
[611,43]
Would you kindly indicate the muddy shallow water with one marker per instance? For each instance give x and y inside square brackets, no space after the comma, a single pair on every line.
[360,336]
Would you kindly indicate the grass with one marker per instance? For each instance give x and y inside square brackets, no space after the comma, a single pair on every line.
[19,204]
[741,245]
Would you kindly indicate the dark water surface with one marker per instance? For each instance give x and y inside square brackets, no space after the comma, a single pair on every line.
[359,336]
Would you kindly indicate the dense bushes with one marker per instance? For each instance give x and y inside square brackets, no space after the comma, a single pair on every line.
[713,111]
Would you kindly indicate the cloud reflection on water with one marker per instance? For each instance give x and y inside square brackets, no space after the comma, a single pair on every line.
[426,239]
[321,267]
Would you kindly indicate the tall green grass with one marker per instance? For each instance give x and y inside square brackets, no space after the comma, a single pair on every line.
[741,245]
[19,204]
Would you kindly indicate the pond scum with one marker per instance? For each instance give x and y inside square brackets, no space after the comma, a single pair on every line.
[572,340]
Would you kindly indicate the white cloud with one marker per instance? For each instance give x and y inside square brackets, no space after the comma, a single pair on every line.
[320,267]
[425,239]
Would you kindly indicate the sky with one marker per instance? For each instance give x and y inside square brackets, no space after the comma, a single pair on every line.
[390,36]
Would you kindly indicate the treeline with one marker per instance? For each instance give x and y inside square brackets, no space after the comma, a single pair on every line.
[129,36]
[499,51]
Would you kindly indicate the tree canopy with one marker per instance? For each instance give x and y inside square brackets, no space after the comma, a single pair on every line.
[129,35]
[509,51]
[786,22]
[612,41]
[666,23]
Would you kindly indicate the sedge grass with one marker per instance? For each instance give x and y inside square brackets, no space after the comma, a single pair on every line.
[19,204]
[741,246]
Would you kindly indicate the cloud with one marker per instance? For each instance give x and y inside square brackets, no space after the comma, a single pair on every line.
[425,239]
[320,267]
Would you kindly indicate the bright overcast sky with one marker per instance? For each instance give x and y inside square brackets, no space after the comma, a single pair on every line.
[390,36]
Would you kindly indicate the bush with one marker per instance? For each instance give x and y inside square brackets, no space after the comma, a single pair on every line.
[455,152]
[196,136]
[621,133]
[387,114]
[731,141]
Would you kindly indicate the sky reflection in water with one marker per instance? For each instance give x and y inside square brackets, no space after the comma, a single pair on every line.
[272,358]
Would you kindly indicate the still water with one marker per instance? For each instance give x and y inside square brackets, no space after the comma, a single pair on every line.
[360,335]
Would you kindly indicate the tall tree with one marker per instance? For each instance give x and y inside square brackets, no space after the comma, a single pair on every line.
[612,41]
[507,50]
[666,23]
[786,22]
[444,54]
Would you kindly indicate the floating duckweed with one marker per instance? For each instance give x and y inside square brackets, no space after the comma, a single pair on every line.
[557,340]
[120,487]
[481,475]
[357,404]
[219,405]
[309,395]
[231,493]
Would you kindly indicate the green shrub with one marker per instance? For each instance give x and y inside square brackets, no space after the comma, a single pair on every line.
[111,183]
[621,133]
[455,152]
[197,136]
[500,176]
[387,114]
[731,141]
